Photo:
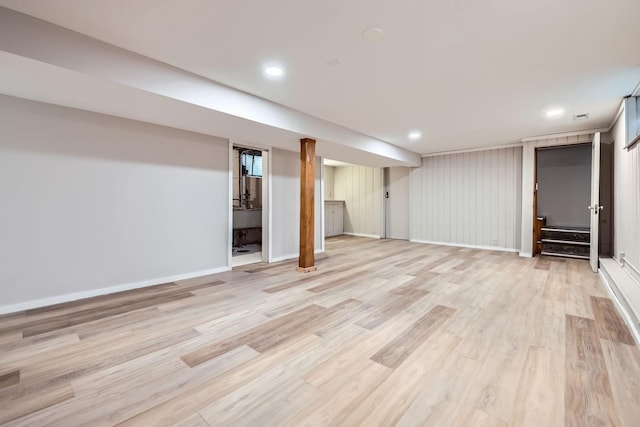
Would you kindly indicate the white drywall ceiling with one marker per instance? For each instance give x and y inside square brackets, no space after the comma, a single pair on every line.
[466,73]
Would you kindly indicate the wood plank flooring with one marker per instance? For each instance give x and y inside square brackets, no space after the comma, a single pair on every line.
[385,332]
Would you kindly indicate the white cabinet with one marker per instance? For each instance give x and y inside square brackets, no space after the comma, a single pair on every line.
[333,218]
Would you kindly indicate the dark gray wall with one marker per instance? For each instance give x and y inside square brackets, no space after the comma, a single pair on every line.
[564,185]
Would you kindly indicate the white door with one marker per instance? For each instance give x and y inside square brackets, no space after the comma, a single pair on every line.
[338,218]
[397,203]
[595,201]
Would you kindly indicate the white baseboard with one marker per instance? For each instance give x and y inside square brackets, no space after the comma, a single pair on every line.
[619,284]
[284,257]
[372,236]
[27,305]
[463,245]
[526,254]
[291,256]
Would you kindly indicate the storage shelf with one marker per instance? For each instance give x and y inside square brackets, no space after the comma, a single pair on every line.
[566,230]
[566,242]
[564,255]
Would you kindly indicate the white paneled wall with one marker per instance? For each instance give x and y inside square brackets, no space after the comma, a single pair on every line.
[329,173]
[626,196]
[361,189]
[468,199]
[623,276]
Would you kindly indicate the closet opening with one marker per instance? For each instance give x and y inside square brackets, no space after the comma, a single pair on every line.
[561,201]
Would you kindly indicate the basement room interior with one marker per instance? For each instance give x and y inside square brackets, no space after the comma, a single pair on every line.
[390,213]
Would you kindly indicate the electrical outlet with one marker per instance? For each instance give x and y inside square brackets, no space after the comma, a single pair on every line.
[494,243]
[621,257]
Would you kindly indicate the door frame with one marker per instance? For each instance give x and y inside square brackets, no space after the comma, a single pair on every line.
[594,206]
[388,201]
[534,245]
[529,147]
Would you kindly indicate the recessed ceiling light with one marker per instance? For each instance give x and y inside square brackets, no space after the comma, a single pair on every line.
[415,135]
[273,71]
[554,113]
[373,33]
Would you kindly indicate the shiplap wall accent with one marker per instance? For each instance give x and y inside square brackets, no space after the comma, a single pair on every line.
[468,199]
[626,197]
[361,189]
[329,173]
[622,273]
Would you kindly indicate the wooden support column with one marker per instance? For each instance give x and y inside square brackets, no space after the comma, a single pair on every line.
[306,262]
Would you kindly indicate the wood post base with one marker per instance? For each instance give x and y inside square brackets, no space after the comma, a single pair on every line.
[306,269]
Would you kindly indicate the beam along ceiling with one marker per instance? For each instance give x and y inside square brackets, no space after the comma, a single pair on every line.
[465,73]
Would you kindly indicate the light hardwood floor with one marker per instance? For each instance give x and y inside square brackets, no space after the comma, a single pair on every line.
[386,332]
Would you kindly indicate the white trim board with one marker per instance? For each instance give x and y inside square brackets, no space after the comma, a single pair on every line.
[292,256]
[631,269]
[565,134]
[230,207]
[617,296]
[322,213]
[372,236]
[471,150]
[463,245]
[43,302]
[284,258]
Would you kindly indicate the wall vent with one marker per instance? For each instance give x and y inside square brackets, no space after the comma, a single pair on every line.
[583,116]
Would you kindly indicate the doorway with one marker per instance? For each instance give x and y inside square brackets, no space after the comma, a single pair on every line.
[562,194]
[249,202]
[575,224]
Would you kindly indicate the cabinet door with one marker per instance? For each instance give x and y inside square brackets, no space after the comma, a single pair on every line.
[328,219]
[338,218]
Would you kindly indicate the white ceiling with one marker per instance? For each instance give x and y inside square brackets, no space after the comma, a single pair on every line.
[467,73]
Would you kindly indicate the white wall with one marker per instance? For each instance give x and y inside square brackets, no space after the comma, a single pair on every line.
[92,202]
[623,276]
[285,214]
[470,199]
[564,185]
[626,223]
[361,189]
[329,173]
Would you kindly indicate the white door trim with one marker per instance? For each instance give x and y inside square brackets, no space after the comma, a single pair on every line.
[595,201]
